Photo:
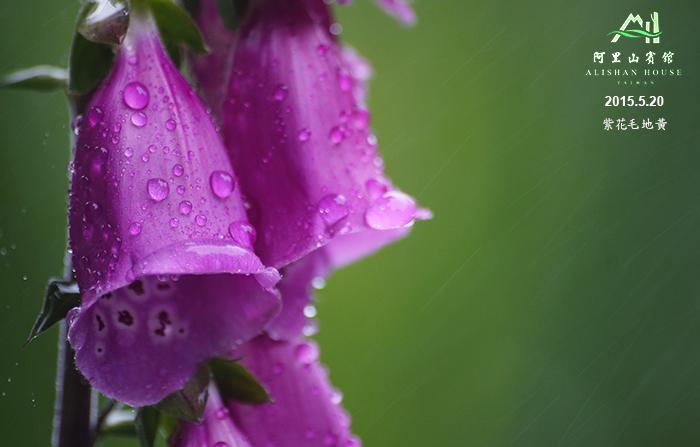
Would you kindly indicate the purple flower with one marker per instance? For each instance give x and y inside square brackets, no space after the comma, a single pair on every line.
[216,430]
[306,411]
[162,248]
[399,10]
[211,70]
[298,134]
[395,8]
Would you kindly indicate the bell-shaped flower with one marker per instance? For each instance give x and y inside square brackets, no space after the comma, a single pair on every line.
[211,70]
[305,411]
[298,134]
[398,9]
[162,249]
[216,429]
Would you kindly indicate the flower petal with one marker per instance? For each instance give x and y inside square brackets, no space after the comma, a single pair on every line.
[212,70]
[153,191]
[216,430]
[296,288]
[142,342]
[297,131]
[399,10]
[154,195]
[306,410]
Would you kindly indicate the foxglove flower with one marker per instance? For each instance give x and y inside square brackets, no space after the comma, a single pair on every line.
[395,8]
[211,70]
[162,249]
[399,10]
[306,409]
[216,430]
[298,135]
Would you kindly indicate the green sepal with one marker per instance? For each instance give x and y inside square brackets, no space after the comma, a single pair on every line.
[105,21]
[176,28]
[90,62]
[147,421]
[189,402]
[234,381]
[42,78]
[60,297]
[168,424]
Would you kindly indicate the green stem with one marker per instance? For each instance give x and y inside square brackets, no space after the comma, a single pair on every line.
[74,417]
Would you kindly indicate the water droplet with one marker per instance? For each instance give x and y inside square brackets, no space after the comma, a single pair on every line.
[309,311]
[178,170]
[170,124]
[337,135]
[362,119]
[152,148]
[75,124]
[345,81]
[190,155]
[304,135]
[375,189]
[132,60]
[117,127]
[221,413]
[280,92]
[185,207]
[201,220]
[395,209]
[180,189]
[243,233]
[135,228]
[331,439]
[332,208]
[353,442]
[145,158]
[174,223]
[336,29]
[307,353]
[321,49]
[220,444]
[158,189]
[318,283]
[94,116]
[336,397]
[136,95]
[139,119]
[222,183]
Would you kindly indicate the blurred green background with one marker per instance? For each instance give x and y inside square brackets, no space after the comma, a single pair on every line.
[554,298]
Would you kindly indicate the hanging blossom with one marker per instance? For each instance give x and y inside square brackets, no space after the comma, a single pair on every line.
[305,411]
[395,8]
[216,429]
[162,249]
[298,134]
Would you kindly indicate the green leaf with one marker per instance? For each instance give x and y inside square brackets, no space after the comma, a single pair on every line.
[105,21]
[189,402]
[236,382]
[60,297]
[90,62]
[43,78]
[176,26]
[147,420]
